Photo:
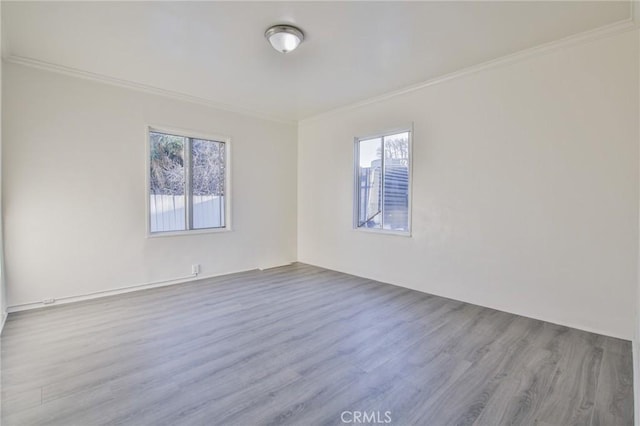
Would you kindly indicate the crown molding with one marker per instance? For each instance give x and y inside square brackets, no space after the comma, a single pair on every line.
[139,87]
[619,27]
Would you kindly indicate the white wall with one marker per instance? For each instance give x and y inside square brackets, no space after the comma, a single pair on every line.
[636,341]
[3,290]
[74,188]
[525,188]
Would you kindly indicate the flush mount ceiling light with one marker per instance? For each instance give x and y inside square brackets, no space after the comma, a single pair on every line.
[284,38]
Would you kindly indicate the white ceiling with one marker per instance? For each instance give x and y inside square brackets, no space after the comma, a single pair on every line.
[352,51]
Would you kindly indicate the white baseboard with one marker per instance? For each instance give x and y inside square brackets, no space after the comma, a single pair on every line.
[113,292]
[280,265]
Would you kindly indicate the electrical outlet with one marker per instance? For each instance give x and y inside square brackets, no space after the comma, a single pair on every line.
[48,301]
[195,268]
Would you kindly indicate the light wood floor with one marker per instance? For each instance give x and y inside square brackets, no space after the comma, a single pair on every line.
[301,345]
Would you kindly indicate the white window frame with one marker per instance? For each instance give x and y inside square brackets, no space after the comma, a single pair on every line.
[227,180]
[356,182]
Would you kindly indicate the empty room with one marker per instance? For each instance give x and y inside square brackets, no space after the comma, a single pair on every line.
[320,213]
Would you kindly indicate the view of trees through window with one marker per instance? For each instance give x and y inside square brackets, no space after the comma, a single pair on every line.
[187,183]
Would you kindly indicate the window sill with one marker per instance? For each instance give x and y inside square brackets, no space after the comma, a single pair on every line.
[406,234]
[187,233]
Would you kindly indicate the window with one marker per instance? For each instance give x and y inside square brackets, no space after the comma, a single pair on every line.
[383,182]
[187,183]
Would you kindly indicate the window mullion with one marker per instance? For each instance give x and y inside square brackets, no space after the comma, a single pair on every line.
[358,185]
[382,173]
[188,184]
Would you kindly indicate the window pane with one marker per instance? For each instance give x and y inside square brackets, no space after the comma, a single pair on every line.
[396,182]
[166,204]
[207,159]
[370,183]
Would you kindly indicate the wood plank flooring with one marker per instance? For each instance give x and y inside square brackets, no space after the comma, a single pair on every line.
[301,345]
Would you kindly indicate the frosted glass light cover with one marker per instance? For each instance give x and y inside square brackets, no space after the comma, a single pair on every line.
[284,42]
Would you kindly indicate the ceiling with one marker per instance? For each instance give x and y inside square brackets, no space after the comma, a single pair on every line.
[353,50]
